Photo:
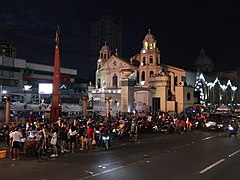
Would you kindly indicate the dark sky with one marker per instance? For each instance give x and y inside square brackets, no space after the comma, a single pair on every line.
[181,28]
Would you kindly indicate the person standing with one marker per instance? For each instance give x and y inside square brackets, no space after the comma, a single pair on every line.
[82,136]
[53,142]
[15,138]
[134,130]
[72,138]
[90,137]
[62,137]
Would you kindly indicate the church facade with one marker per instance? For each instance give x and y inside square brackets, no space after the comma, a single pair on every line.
[157,86]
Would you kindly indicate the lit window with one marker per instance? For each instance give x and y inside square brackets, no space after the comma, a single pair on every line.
[150,46]
[146,45]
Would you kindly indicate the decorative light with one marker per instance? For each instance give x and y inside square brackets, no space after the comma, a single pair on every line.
[200,81]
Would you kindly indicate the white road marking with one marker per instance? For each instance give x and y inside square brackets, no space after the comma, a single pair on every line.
[231,155]
[207,138]
[110,170]
[181,146]
[89,172]
[211,166]
[109,164]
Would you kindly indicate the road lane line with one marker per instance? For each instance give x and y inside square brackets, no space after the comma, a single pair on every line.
[110,170]
[211,166]
[182,146]
[207,138]
[109,164]
[231,155]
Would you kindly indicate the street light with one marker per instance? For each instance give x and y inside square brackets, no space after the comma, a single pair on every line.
[26,88]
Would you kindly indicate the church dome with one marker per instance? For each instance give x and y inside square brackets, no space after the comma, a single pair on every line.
[149,36]
[105,47]
[203,62]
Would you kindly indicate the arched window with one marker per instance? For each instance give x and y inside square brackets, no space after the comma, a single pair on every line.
[156,60]
[143,76]
[99,83]
[115,80]
[151,60]
[150,46]
[151,73]
[144,61]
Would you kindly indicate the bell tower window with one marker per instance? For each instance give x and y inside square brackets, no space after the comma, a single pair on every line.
[144,61]
[150,46]
[143,76]
[146,45]
[151,73]
[151,59]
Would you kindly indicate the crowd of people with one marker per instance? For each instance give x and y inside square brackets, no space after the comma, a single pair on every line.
[45,140]
[64,136]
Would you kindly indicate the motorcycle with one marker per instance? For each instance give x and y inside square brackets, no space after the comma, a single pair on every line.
[232,130]
[106,140]
[97,137]
[167,127]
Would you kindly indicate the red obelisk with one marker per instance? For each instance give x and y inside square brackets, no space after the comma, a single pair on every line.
[56,102]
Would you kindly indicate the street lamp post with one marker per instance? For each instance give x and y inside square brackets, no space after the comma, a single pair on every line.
[7,107]
[84,98]
[107,106]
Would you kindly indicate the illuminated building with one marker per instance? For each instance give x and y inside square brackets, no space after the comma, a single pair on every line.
[216,87]
[16,72]
[158,86]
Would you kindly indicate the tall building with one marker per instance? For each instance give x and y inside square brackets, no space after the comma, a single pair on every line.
[106,29]
[6,49]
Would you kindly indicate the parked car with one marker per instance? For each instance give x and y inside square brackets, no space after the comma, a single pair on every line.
[218,121]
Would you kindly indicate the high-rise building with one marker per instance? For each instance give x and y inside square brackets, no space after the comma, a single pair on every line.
[106,29]
[6,49]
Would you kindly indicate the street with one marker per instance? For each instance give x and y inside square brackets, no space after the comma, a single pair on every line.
[192,155]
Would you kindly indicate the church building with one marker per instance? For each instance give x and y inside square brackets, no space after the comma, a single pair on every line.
[156,86]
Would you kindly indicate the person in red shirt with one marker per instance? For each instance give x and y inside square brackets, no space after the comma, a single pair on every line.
[90,137]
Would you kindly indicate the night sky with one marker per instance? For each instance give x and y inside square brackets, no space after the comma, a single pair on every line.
[181,28]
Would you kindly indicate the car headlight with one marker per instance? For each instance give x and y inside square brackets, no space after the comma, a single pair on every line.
[208,124]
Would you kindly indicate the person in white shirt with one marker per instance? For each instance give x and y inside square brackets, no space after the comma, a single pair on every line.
[15,138]
[54,143]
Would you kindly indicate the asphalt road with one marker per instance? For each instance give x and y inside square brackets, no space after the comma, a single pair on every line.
[195,155]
